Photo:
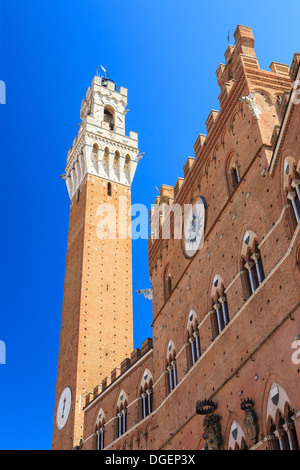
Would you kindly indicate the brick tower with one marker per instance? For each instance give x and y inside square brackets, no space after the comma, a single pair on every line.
[96,327]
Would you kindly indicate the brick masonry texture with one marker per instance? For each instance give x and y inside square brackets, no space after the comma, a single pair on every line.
[253,354]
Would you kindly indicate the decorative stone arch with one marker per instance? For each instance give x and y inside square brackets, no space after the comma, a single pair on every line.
[279,415]
[192,320]
[105,161]
[248,242]
[289,166]
[192,338]
[217,304]
[269,99]
[236,439]
[122,401]
[116,165]
[144,394]
[250,262]
[277,403]
[100,420]
[127,167]
[290,172]
[99,430]
[217,286]
[146,380]
[171,352]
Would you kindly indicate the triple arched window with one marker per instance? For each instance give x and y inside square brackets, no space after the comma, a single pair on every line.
[220,309]
[100,430]
[253,268]
[100,438]
[193,337]
[171,367]
[146,394]
[281,422]
[292,187]
[121,414]
[219,304]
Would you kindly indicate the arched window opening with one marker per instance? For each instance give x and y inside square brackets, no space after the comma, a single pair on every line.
[100,430]
[109,117]
[109,189]
[253,267]
[293,194]
[220,308]
[282,426]
[194,341]
[146,398]
[171,368]
[122,419]
[100,436]
[235,175]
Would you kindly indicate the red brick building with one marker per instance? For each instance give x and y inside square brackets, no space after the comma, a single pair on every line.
[223,369]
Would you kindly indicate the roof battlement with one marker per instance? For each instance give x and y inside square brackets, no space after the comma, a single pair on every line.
[117,372]
[243,85]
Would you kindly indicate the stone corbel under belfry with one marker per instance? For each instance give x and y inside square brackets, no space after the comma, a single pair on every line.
[250,101]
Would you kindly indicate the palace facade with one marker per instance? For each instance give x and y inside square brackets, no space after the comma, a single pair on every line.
[222,370]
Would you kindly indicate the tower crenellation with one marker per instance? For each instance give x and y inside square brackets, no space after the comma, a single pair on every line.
[101,147]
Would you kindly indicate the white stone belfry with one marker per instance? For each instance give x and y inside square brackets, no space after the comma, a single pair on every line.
[101,147]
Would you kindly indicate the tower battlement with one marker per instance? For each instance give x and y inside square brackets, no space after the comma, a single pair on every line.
[101,147]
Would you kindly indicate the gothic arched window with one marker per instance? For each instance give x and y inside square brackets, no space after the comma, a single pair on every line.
[100,430]
[253,269]
[121,414]
[281,420]
[146,394]
[193,337]
[171,367]
[292,187]
[220,306]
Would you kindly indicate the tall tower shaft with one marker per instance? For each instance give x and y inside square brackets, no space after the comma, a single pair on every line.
[96,326]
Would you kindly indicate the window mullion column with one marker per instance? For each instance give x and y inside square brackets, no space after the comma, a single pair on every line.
[170,378]
[120,424]
[149,391]
[174,373]
[249,267]
[222,300]
[255,258]
[191,340]
[292,197]
[296,185]
[217,308]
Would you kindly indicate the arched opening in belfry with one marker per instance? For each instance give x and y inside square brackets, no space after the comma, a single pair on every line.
[109,116]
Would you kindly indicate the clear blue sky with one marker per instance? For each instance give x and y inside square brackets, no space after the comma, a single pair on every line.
[166,53]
